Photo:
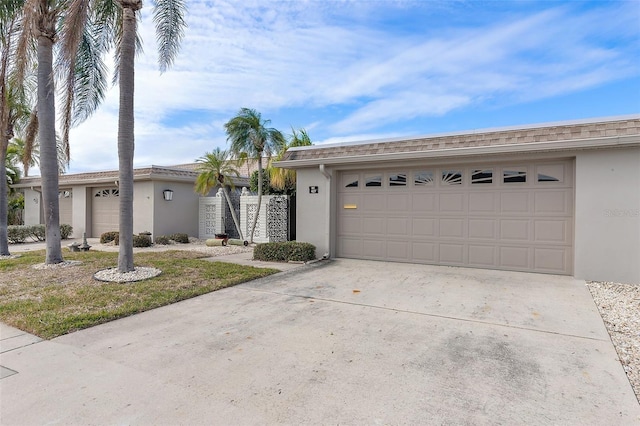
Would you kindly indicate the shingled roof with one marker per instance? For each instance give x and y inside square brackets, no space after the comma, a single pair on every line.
[530,136]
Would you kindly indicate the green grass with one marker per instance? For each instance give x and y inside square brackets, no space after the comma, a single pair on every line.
[53,302]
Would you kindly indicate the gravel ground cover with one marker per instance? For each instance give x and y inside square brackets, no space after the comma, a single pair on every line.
[619,306]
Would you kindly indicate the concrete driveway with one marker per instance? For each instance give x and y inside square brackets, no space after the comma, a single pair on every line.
[349,342]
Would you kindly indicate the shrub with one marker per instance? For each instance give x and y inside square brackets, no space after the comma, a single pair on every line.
[179,238]
[65,231]
[38,232]
[162,239]
[145,233]
[107,237]
[285,251]
[141,241]
[18,233]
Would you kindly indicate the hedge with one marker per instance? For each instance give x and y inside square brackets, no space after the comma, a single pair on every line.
[179,238]
[285,252]
[20,233]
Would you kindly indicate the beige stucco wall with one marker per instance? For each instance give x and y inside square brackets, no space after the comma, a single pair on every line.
[313,211]
[81,221]
[143,194]
[607,217]
[178,215]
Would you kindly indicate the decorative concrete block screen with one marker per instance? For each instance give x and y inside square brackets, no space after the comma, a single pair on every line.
[272,223]
[211,215]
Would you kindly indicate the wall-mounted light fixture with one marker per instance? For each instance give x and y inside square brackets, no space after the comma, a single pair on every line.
[167,194]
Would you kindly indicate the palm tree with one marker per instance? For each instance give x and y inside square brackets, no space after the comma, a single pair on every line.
[28,153]
[249,134]
[169,20]
[215,169]
[280,178]
[82,71]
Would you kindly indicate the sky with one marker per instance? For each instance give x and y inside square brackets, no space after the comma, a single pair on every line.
[361,70]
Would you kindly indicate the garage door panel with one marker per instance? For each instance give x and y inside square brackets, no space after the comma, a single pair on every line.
[398,202]
[553,202]
[514,258]
[398,250]
[398,226]
[482,202]
[424,252]
[551,231]
[424,227]
[514,229]
[423,202]
[514,202]
[452,253]
[482,228]
[451,203]
[452,228]
[510,217]
[550,260]
[374,226]
[482,255]
[373,203]
[350,225]
[105,210]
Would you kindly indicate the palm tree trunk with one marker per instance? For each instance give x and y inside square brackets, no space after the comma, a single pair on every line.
[4,198]
[233,211]
[126,142]
[255,218]
[48,152]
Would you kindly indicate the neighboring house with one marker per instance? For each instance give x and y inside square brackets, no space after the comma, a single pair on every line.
[164,200]
[560,198]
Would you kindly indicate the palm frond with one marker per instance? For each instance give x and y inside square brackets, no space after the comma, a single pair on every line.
[168,17]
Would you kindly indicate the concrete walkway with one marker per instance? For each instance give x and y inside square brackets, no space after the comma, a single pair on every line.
[348,342]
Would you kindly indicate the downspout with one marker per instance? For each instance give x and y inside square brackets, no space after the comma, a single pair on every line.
[328,214]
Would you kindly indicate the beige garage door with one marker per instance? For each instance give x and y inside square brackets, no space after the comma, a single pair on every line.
[105,210]
[515,216]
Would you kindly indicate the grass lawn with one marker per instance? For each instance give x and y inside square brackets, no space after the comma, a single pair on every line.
[52,302]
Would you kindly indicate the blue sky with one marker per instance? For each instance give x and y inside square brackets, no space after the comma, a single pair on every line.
[359,70]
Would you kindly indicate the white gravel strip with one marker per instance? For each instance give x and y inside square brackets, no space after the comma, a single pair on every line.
[11,256]
[64,264]
[139,273]
[619,306]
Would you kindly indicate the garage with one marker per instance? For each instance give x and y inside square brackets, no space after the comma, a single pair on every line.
[105,210]
[512,216]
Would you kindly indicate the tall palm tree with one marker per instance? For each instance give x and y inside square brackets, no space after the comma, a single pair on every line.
[249,134]
[28,153]
[80,53]
[169,21]
[216,169]
[286,178]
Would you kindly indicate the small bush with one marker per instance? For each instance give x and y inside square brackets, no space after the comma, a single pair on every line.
[107,237]
[18,233]
[180,238]
[145,233]
[38,232]
[141,241]
[285,252]
[65,231]
[162,239]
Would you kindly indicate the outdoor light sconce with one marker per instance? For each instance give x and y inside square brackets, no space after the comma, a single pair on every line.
[167,194]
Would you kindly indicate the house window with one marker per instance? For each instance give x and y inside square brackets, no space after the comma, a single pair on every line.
[373,180]
[482,176]
[398,179]
[422,178]
[514,175]
[451,177]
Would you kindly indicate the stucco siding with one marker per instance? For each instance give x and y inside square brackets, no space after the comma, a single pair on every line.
[607,217]
[177,215]
[81,220]
[313,209]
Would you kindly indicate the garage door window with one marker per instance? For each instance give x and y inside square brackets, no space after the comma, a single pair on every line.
[108,193]
[351,181]
[514,175]
[550,173]
[398,179]
[373,180]
[451,177]
[422,178]
[481,176]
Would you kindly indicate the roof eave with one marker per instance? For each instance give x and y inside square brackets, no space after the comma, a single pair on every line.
[530,147]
